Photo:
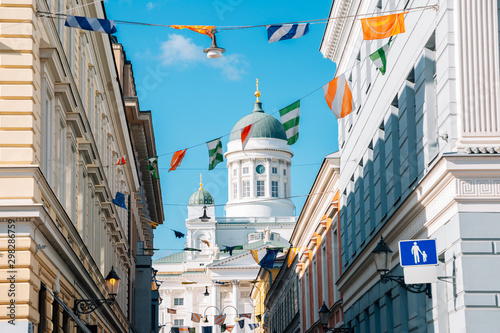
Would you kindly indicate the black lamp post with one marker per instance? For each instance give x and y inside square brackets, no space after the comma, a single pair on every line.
[382,258]
[204,218]
[84,306]
[206,293]
[324,319]
[214,51]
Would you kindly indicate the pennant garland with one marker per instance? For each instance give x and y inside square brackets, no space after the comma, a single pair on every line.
[152,164]
[338,96]
[269,259]
[279,32]
[229,328]
[241,322]
[178,234]
[214,153]
[192,330]
[183,330]
[91,24]
[191,249]
[246,315]
[121,161]
[174,330]
[196,317]
[380,27]
[255,255]
[219,319]
[223,328]
[206,242]
[246,133]
[177,159]
[172,311]
[292,253]
[119,200]
[253,326]
[379,57]
[290,120]
[206,329]
[201,29]
[230,249]
[258,317]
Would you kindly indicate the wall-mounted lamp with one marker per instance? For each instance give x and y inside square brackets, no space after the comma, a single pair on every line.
[84,306]
[382,257]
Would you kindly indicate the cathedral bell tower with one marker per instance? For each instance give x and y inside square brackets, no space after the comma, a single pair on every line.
[259,176]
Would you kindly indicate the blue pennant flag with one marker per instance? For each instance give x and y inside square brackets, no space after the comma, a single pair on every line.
[90,23]
[241,322]
[269,258]
[253,326]
[119,200]
[279,32]
[207,329]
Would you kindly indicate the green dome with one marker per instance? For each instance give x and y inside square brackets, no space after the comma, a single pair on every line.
[266,126]
[200,198]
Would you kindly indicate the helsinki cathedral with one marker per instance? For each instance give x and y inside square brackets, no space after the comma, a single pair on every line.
[259,214]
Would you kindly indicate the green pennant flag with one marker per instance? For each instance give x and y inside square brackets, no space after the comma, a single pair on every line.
[214,153]
[152,164]
[192,330]
[290,120]
[379,58]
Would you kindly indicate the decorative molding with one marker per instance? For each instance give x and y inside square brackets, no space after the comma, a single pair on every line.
[476,187]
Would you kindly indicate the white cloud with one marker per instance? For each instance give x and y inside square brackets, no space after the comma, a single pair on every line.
[182,52]
[149,5]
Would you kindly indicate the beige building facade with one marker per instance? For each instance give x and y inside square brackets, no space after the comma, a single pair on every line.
[68,113]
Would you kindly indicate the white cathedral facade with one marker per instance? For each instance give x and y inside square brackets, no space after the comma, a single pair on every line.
[259,214]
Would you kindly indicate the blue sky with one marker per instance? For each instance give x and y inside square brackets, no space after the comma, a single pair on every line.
[194,99]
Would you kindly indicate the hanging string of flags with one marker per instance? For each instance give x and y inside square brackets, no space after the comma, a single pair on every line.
[337,92]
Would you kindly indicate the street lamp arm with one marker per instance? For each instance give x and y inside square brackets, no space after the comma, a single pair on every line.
[413,288]
[85,306]
[211,306]
[230,306]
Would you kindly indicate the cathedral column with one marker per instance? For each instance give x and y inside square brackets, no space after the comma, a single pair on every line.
[268,178]
[211,312]
[281,189]
[230,180]
[238,179]
[236,300]
[253,183]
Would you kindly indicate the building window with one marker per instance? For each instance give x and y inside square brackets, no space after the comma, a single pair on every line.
[274,170]
[274,189]
[178,301]
[178,322]
[245,170]
[246,189]
[235,190]
[284,190]
[235,172]
[260,188]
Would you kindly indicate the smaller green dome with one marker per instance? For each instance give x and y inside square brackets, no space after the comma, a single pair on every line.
[201,197]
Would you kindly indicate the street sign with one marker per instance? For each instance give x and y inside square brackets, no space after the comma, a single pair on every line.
[418,252]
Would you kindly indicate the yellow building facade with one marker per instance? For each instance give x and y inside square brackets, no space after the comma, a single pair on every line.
[68,113]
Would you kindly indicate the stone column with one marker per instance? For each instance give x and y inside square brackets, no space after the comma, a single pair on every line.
[253,184]
[230,167]
[238,179]
[268,178]
[211,312]
[235,302]
[281,187]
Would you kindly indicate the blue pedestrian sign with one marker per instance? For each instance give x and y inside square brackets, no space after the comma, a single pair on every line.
[418,252]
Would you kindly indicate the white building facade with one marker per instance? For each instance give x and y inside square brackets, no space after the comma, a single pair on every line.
[259,215]
[419,158]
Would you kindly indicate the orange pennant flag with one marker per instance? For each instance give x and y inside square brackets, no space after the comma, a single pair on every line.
[177,159]
[380,27]
[246,133]
[338,96]
[121,161]
[201,29]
